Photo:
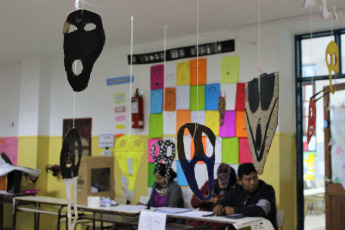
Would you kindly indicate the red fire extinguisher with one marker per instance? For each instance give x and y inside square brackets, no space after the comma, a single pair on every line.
[137,110]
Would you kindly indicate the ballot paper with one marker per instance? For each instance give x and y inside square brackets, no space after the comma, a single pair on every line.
[151,220]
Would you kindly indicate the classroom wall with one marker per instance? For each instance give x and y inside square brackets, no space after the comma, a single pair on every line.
[40,137]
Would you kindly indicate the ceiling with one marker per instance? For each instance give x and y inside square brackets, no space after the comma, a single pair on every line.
[33,28]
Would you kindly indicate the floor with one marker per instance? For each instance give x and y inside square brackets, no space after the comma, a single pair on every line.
[315,222]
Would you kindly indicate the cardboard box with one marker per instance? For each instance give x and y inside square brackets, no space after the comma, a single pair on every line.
[3,182]
[96,178]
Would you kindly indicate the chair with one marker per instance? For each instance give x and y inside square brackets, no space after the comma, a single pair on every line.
[280,218]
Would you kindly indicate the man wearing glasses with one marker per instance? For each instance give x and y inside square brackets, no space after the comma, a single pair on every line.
[250,197]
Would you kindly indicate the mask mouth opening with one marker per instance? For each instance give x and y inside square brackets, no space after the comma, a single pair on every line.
[77,67]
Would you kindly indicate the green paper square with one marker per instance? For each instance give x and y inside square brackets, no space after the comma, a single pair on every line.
[156,125]
[230,69]
[230,150]
[193,97]
[151,176]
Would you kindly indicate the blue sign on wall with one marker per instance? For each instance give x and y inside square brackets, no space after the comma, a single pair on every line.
[119,80]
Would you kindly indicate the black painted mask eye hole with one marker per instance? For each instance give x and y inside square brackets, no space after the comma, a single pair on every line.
[68,160]
[77,67]
[90,27]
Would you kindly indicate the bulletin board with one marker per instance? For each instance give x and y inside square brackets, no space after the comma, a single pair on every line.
[182,96]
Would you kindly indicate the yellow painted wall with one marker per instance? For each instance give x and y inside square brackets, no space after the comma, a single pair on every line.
[280,172]
[36,152]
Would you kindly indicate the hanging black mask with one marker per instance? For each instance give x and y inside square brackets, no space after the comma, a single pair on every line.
[68,155]
[82,45]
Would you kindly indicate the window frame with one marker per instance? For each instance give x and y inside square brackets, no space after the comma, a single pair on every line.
[299,82]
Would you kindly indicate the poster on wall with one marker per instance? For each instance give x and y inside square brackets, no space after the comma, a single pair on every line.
[9,145]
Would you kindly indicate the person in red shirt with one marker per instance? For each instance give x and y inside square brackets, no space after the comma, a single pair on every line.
[226,176]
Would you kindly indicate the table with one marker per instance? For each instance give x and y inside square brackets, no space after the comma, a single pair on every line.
[6,197]
[102,214]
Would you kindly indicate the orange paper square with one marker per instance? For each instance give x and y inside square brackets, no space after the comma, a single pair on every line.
[241,124]
[192,149]
[182,117]
[194,73]
[169,99]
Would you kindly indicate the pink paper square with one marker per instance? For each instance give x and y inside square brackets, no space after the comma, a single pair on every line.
[229,127]
[152,142]
[157,77]
[245,153]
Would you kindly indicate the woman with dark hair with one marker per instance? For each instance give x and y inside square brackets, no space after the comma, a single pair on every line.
[171,196]
[226,176]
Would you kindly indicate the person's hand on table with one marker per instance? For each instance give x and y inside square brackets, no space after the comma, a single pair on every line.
[218,210]
[214,200]
[229,210]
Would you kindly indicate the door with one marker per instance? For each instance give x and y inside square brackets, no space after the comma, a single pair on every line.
[335,193]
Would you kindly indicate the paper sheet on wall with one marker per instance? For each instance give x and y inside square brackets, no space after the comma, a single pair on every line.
[187,142]
[197,97]
[230,69]
[198,117]
[169,122]
[169,99]
[218,149]
[241,124]
[229,127]
[156,101]
[195,77]
[150,143]
[157,77]
[212,92]
[119,98]
[241,97]
[170,75]
[229,91]
[183,73]
[151,176]
[129,148]
[201,176]
[156,125]
[338,162]
[182,117]
[212,121]
[151,220]
[9,146]
[181,179]
[245,155]
[192,149]
[230,150]
[182,97]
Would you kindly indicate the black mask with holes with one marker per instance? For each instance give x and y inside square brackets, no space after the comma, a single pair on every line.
[68,155]
[82,45]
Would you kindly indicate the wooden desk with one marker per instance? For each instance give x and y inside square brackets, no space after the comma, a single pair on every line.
[129,213]
[21,204]
[6,197]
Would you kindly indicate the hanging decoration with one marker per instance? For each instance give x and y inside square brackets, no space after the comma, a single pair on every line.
[332,60]
[311,119]
[82,45]
[221,108]
[69,170]
[196,130]
[262,101]
[163,156]
[128,151]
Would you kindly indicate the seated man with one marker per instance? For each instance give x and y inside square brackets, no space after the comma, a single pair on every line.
[251,197]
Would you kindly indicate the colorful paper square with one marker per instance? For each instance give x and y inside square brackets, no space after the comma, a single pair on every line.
[212,92]
[228,129]
[230,150]
[156,125]
[197,98]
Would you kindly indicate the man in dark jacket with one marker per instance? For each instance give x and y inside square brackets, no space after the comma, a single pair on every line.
[250,197]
